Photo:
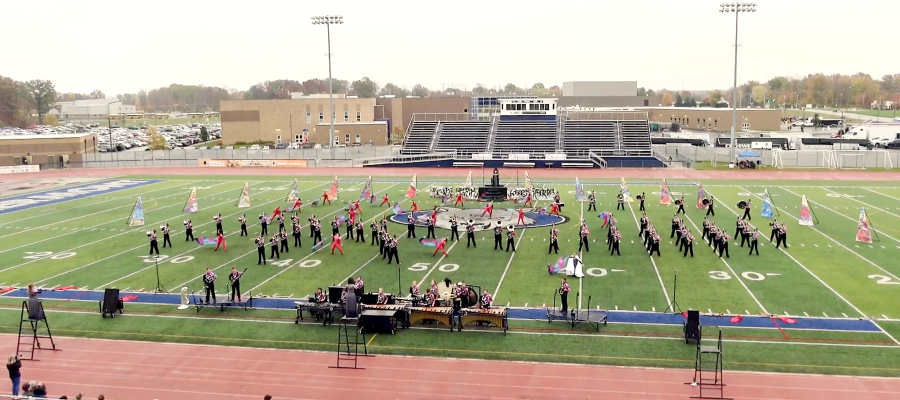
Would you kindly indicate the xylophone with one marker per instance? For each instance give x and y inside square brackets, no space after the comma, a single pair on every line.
[496,316]
[402,311]
[323,311]
[443,315]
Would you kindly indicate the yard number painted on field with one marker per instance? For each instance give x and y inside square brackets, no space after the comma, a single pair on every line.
[164,258]
[302,264]
[601,272]
[745,194]
[421,267]
[37,255]
[849,196]
[884,280]
[748,275]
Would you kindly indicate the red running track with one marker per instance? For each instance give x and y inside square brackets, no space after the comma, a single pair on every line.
[144,371]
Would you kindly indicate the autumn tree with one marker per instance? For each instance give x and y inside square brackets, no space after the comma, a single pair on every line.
[204,134]
[43,96]
[667,99]
[420,90]
[157,140]
[364,87]
[97,94]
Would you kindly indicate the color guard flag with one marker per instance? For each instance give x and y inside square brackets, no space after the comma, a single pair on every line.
[191,205]
[701,195]
[805,212]
[137,214]
[332,194]
[863,230]
[366,193]
[411,192]
[767,205]
[528,183]
[396,209]
[293,194]
[626,194]
[207,241]
[468,182]
[664,196]
[429,242]
[579,190]
[244,200]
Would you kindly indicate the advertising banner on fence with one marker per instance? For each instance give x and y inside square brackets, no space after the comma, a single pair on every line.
[19,169]
[254,163]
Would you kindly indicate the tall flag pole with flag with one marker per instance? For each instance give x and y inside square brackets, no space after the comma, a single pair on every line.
[293,194]
[468,182]
[366,193]
[333,193]
[806,214]
[626,194]
[767,209]
[411,192]
[863,227]
[244,200]
[190,206]
[579,190]
[701,195]
[664,196]
[528,184]
[137,214]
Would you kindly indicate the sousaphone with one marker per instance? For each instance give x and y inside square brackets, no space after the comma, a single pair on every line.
[705,202]
[742,204]
[677,202]
[641,197]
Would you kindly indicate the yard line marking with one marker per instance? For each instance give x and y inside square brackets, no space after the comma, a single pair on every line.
[885,316]
[849,218]
[652,261]
[123,252]
[513,255]
[826,315]
[805,314]
[710,310]
[323,246]
[652,308]
[845,315]
[885,195]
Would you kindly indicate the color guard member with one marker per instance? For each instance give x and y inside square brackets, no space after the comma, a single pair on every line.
[440,247]
[414,208]
[459,200]
[489,210]
[385,201]
[521,220]
[337,243]
[220,241]
[326,198]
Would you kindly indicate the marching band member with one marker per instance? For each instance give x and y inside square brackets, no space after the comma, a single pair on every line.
[723,245]
[414,208]
[747,211]
[454,229]
[264,224]
[440,247]
[680,206]
[486,300]
[382,297]
[349,224]
[620,199]
[360,231]
[312,225]
[745,234]
[554,240]
[154,246]
[554,209]
[410,226]
[470,234]
[675,222]
[280,222]
[243,220]
[644,222]
[298,232]
[274,243]
[489,210]
[430,226]
[235,279]
[209,282]
[592,201]
[739,226]
[521,220]
[498,237]
[710,207]
[374,228]
[754,242]
[359,286]
[654,244]
[220,241]
[317,233]
[284,241]
[683,231]
[260,250]
[643,197]
[165,231]
[393,254]
[583,233]
[510,238]
[617,237]
[689,244]
[716,239]
[384,223]
[434,288]
[218,219]
[188,231]
[320,295]
[430,299]
[711,234]
[564,294]
[775,228]
[335,226]
[414,289]
[705,227]
[385,201]
[782,236]
[326,198]
[459,200]
[336,243]
[385,239]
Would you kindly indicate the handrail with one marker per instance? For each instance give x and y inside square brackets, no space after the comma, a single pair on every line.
[400,158]
[596,159]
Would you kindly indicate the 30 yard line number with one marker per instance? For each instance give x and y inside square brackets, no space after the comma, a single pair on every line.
[37,255]
[165,258]
[422,267]
[748,275]
[884,280]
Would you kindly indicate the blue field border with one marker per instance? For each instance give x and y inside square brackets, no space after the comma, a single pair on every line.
[54,196]
[533,314]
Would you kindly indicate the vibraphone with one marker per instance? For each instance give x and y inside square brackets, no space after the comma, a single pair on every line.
[496,316]
[317,310]
[443,315]
[402,311]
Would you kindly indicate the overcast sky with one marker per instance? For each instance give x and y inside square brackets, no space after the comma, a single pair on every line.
[125,46]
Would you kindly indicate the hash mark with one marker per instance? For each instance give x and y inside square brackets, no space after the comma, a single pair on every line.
[826,315]
[845,315]
[804,313]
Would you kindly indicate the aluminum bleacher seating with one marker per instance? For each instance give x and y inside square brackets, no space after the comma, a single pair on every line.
[580,136]
[636,136]
[533,137]
[419,138]
[466,137]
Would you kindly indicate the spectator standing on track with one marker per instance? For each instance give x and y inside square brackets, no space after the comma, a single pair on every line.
[13,364]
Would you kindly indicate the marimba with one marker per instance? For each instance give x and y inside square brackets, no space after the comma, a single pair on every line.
[443,315]
[496,316]
[402,311]
[317,310]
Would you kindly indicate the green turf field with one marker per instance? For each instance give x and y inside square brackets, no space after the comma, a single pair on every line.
[825,272]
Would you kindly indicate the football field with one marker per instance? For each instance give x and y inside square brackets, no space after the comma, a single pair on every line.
[825,276]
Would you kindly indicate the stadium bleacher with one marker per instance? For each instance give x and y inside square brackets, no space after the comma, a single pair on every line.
[418,140]
[636,136]
[579,136]
[533,137]
[466,137]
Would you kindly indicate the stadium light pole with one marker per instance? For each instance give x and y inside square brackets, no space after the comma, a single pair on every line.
[737,9]
[329,20]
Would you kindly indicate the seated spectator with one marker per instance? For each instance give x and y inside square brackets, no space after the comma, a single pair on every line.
[39,390]
[26,390]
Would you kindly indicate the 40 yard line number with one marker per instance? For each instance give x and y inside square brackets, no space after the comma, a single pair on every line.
[38,255]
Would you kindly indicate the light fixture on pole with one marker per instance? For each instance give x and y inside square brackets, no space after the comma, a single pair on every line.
[737,9]
[329,20]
